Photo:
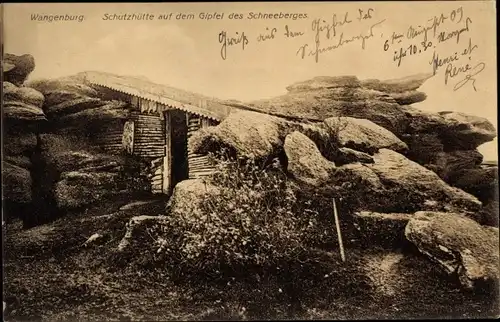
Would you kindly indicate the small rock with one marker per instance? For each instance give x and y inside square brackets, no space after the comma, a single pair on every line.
[135,204]
[136,227]
[346,155]
[92,239]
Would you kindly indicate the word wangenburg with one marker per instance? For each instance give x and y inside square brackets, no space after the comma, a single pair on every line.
[54,18]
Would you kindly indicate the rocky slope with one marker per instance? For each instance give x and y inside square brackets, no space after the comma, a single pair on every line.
[360,142]
[445,142]
[401,174]
[54,160]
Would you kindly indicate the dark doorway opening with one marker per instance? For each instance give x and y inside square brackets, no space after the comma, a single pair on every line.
[179,147]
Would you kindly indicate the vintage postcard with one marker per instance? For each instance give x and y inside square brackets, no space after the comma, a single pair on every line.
[249,161]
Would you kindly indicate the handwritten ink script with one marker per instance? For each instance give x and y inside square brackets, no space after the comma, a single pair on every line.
[236,40]
[446,39]
[335,32]
[241,40]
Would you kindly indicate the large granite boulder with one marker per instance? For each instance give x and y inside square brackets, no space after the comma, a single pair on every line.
[392,183]
[400,174]
[459,245]
[362,135]
[19,67]
[480,180]
[246,134]
[449,165]
[81,188]
[22,103]
[305,161]
[398,85]
[16,183]
[22,94]
[80,173]
[467,131]
[62,89]
[188,194]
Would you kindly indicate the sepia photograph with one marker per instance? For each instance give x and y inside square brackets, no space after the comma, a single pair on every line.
[249,161]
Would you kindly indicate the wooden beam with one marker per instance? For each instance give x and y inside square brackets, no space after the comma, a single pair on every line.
[167,160]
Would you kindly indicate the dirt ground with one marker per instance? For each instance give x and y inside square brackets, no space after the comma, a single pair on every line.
[49,274]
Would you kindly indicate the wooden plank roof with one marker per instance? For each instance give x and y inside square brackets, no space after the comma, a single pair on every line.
[163,94]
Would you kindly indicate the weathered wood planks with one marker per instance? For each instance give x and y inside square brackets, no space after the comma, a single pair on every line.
[149,138]
[198,165]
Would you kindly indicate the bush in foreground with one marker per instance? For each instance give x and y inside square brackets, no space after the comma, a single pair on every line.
[253,219]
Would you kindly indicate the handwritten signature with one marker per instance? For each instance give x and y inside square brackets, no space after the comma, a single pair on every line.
[453,71]
[437,62]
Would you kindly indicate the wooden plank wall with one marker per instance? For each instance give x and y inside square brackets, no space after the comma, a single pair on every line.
[149,143]
[198,164]
[149,137]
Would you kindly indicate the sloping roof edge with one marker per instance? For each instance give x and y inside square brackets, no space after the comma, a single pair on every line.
[143,89]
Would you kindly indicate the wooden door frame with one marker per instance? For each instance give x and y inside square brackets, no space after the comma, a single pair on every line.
[167,159]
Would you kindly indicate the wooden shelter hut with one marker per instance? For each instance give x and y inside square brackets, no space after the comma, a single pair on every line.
[160,121]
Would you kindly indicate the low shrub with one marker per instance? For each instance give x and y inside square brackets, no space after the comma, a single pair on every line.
[253,219]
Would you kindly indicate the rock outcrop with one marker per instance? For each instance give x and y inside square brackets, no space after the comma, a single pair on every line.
[245,134]
[392,183]
[459,245]
[362,135]
[305,162]
[62,144]
[434,140]
[467,131]
[79,167]
[258,136]
[394,170]
[16,183]
[23,120]
[17,68]
[22,103]
[324,97]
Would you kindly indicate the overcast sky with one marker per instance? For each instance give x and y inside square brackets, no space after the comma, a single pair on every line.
[187,54]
